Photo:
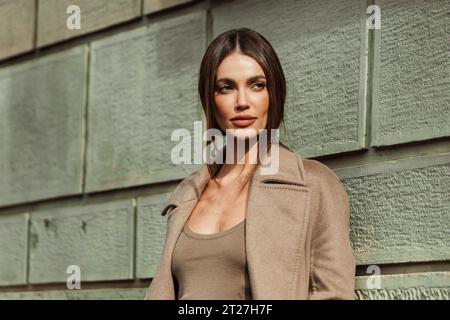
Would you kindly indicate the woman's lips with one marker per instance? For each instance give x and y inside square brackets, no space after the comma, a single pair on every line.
[243,122]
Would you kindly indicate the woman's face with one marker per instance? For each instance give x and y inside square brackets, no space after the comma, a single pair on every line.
[241,90]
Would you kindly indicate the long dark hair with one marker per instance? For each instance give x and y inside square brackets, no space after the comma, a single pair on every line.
[254,45]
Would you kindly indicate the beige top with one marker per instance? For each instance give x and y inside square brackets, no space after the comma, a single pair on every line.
[211,266]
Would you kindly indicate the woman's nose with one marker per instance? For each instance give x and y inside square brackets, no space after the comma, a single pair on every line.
[242,101]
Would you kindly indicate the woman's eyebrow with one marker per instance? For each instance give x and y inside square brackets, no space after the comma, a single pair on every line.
[251,79]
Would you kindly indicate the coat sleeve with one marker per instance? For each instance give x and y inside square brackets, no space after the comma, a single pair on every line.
[161,288]
[332,262]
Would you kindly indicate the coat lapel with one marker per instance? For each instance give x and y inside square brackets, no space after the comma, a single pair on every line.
[277,217]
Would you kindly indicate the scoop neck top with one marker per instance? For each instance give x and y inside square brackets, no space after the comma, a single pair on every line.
[190,233]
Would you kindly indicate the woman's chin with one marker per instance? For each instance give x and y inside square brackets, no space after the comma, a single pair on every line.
[243,133]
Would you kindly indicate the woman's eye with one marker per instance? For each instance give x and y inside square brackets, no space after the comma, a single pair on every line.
[260,85]
[222,89]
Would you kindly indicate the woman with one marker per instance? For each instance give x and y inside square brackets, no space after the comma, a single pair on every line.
[236,233]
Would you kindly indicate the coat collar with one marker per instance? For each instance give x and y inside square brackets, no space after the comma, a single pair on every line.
[277,219]
[290,171]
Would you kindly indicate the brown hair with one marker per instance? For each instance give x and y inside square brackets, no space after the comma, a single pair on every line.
[254,45]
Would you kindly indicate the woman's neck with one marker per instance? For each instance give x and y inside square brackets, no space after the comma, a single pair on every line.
[240,164]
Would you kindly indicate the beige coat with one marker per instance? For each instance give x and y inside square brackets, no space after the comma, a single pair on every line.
[297,232]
